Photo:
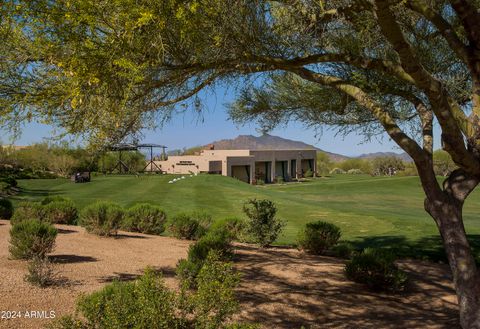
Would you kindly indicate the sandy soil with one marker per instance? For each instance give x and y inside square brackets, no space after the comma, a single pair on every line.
[281,288]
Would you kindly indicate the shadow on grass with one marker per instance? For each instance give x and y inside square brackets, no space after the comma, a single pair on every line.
[71,259]
[426,248]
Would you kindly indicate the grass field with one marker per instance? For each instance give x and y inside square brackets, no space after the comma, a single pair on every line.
[370,211]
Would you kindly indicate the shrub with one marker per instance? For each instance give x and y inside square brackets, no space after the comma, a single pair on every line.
[260,182]
[40,272]
[102,218]
[10,181]
[60,212]
[234,225]
[343,250]
[30,238]
[336,171]
[145,218]
[190,226]
[144,303]
[53,198]
[214,302]
[217,240]
[27,210]
[262,224]
[148,303]
[354,172]
[6,208]
[376,269]
[308,173]
[316,237]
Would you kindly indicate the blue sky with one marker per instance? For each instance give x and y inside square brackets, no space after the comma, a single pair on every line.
[189,129]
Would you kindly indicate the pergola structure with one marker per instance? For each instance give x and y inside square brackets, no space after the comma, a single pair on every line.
[122,167]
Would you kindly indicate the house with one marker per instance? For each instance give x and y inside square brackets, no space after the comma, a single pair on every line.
[246,165]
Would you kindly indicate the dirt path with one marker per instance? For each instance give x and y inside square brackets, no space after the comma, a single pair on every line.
[281,288]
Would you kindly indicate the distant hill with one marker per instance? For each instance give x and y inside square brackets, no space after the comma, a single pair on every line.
[269,142]
[403,156]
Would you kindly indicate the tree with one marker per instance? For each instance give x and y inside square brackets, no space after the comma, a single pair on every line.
[387,166]
[443,164]
[324,163]
[108,68]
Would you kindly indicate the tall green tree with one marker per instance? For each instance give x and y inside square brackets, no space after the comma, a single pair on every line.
[106,68]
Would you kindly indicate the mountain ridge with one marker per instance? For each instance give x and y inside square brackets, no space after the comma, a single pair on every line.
[270,142]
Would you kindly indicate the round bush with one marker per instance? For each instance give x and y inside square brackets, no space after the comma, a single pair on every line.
[27,210]
[316,237]
[31,238]
[343,250]
[12,182]
[102,218]
[262,225]
[190,226]
[234,225]
[60,212]
[218,240]
[6,209]
[145,218]
[376,269]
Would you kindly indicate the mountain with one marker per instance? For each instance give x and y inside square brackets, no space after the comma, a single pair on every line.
[403,156]
[269,142]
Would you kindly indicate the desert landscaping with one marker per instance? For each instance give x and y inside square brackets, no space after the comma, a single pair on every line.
[280,287]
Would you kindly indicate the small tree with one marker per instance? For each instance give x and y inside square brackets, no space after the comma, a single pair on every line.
[262,225]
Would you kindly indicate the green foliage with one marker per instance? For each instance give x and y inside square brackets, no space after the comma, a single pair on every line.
[134,160]
[324,164]
[190,226]
[102,218]
[217,240]
[145,218]
[6,208]
[354,172]
[443,164]
[376,269]
[387,166]
[40,272]
[308,173]
[343,249]
[30,238]
[51,198]
[144,303]
[60,212]
[234,225]
[214,300]
[28,210]
[336,171]
[259,182]
[364,165]
[316,237]
[262,225]
[148,303]
[10,181]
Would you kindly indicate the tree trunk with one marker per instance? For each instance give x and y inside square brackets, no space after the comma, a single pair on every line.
[447,212]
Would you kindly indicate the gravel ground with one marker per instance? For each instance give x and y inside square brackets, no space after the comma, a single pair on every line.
[281,288]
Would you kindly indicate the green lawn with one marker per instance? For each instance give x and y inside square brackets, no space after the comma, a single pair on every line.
[370,211]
